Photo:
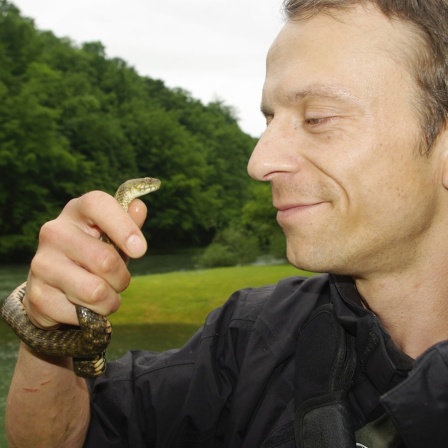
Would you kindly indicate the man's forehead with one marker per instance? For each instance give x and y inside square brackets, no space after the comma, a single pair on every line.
[392,36]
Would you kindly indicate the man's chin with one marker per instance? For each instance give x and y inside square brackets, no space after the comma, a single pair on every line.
[312,262]
[304,265]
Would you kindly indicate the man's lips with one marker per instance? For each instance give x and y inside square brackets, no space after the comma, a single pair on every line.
[284,211]
[298,205]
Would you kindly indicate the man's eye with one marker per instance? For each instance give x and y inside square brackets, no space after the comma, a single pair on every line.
[317,121]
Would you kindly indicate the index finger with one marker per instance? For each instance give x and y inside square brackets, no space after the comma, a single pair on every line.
[101,213]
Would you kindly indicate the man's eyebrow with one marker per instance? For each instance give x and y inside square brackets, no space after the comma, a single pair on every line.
[333,93]
[325,92]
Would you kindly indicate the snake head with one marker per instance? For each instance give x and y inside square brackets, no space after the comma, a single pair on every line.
[135,188]
[139,187]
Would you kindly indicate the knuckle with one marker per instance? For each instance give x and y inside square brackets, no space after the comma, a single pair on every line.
[71,204]
[114,305]
[90,200]
[42,271]
[108,261]
[99,292]
[34,296]
[104,299]
[35,302]
[40,265]
[47,232]
[126,281]
[123,281]
[111,267]
[36,265]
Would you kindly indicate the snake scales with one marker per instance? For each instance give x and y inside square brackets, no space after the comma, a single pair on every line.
[87,343]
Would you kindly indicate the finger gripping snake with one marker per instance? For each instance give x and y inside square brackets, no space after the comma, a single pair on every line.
[87,343]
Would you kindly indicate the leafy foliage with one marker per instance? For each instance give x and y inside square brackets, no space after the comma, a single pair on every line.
[234,245]
[259,218]
[72,120]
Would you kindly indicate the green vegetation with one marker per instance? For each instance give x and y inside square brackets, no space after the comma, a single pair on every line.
[189,296]
[73,120]
[233,245]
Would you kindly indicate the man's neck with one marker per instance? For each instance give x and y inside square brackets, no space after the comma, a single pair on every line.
[412,306]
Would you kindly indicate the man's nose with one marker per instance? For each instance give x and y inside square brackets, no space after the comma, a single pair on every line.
[274,153]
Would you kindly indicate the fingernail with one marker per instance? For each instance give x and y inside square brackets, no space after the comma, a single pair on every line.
[136,246]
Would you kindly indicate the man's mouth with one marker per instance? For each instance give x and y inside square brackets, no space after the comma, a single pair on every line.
[289,210]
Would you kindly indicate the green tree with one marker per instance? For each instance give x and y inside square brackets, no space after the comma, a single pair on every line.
[72,120]
[259,217]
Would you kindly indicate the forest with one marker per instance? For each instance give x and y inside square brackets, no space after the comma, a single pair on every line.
[73,120]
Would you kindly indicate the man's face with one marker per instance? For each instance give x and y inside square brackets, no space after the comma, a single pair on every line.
[341,145]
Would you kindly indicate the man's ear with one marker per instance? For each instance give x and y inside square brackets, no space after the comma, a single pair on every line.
[444,156]
[445,170]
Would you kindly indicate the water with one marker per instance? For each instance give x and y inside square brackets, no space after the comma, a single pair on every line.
[156,337]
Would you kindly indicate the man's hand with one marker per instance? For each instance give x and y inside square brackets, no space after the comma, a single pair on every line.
[72,266]
[47,404]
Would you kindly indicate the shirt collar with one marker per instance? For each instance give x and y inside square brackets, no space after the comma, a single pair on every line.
[380,364]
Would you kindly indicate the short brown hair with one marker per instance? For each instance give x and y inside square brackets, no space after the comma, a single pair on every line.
[429,61]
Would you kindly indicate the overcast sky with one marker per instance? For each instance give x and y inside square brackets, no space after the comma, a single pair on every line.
[212,48]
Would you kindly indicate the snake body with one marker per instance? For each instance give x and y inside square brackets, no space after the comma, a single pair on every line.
[87,343]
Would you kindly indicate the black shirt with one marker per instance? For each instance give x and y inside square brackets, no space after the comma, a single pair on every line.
[232,384]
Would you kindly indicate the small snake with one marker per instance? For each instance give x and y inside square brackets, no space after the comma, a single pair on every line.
[87,343]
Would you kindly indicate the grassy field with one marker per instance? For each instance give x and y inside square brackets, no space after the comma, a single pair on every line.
[159,312]
[189,296]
